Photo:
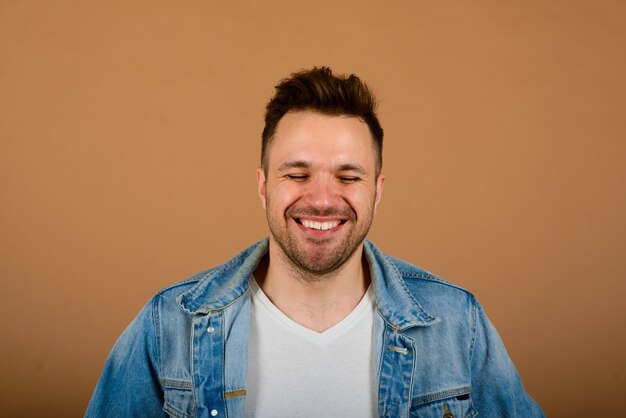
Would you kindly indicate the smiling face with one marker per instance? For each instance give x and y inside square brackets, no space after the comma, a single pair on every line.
[319,189]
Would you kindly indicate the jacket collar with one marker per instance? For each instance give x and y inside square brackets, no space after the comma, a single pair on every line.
[223,285]
[393,300]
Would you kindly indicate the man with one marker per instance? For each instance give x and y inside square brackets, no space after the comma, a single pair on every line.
[315,320]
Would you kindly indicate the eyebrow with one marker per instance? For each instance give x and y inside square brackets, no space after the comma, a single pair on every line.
[293,164]
[304,164]
[352,167]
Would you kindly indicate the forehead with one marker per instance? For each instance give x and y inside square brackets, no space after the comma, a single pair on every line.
[321,139]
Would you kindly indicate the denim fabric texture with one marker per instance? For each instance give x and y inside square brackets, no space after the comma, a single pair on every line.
[185,354]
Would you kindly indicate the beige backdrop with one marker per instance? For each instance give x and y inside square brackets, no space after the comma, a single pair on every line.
[130,133]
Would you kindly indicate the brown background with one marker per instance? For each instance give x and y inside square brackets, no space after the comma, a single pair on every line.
[130,133]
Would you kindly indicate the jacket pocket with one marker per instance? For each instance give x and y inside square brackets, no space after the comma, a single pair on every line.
[178,398]
[452,403]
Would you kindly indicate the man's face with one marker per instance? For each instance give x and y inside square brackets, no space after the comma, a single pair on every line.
[319,189]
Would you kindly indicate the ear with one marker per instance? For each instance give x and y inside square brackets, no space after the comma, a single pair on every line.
[379,190]
[260,182]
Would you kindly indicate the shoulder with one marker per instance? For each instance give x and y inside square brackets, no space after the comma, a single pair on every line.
[433,292]
[168,297]
[217,287]
[174,290]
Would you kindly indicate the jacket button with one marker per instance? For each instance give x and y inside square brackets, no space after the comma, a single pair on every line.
[214,413]
[210,330]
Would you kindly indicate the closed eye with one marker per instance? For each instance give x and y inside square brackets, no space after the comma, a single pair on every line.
[297,177]
[349,179]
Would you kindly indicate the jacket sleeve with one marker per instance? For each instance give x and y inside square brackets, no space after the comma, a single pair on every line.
[129,385]
[497,389]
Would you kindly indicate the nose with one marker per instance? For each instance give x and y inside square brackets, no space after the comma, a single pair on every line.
[322,193]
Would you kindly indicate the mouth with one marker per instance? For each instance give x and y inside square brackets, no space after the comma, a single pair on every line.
[314,225]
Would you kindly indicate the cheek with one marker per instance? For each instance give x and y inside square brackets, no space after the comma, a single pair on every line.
[361,201]
[280,196]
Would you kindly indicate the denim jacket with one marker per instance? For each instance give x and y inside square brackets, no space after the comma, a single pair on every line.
[185,354]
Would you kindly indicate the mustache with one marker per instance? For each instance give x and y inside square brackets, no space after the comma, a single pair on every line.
[307,210]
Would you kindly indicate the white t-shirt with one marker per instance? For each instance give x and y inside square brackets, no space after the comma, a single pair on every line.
[297,372]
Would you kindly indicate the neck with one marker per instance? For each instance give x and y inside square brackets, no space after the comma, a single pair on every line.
[315,302]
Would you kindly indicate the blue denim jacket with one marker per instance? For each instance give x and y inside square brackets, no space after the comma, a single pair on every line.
[185,354]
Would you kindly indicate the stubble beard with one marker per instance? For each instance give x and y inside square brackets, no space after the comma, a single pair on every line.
[313,265]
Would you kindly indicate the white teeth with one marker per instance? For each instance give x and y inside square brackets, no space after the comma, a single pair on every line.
[320,225]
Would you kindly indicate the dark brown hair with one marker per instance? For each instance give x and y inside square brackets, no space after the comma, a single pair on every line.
[319,90]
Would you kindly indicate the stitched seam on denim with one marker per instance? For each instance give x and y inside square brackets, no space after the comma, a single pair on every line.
[471,412]
[422,313]
[176,384]
[236,260]
[387,261]
[431,277]
[191,363]
[193,292]
[474,305]
[198,289]
[193,278]
[412,370]
[244,294]
[235,393]
[181,385]
[174,411]
[437,396]
[223,360]
[156,324]
[380,367]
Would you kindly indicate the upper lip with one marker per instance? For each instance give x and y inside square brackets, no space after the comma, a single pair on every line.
[320,215]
